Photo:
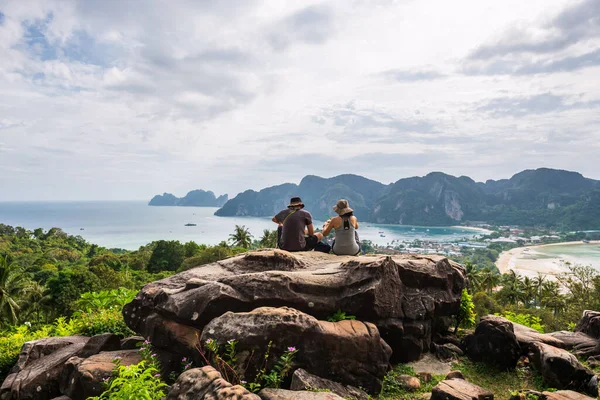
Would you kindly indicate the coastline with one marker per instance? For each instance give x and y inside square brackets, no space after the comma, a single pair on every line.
[513,260]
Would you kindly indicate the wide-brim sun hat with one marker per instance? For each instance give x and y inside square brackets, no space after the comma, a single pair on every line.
[295,202]
[342,208]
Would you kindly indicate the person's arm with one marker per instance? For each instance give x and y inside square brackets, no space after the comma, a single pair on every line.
[355,222]
[274,219]
[328,227]
[310,229]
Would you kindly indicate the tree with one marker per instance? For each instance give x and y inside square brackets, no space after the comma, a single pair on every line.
[166,256]
[512,290]
[474,277]
[191,249]
[36,300]
[13,285]
[528,293]
[241,237]
[268,239]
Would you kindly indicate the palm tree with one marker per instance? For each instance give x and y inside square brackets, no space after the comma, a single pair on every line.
[268,239]
[13,285]
[550,297]
[538,282]
[241,237]
[528,294]
[474,276]
[37,297]
[513,287]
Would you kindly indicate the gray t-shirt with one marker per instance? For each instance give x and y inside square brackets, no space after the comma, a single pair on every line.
[292,235]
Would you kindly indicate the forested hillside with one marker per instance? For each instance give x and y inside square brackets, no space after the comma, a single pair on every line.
[543,197]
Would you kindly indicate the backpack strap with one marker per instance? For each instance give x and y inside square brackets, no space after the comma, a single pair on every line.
[283,222]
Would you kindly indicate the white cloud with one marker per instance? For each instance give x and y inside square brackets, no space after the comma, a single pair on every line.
[111,99]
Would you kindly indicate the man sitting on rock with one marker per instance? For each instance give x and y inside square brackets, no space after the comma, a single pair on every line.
[296,231]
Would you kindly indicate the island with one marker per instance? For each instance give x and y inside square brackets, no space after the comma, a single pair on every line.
[195,198]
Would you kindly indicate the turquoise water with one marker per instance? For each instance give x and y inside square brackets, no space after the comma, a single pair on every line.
[580,253]
[130,224]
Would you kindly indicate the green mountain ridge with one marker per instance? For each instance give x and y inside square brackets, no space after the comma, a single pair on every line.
[541,197]
[195,198]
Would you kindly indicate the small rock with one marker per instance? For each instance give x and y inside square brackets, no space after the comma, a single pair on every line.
[425,377]
[459,389]
[408,382]
[455,375]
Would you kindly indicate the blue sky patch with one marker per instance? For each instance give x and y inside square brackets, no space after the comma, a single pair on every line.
[1,17]
[36,40]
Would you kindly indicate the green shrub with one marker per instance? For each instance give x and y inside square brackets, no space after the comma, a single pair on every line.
[101,321]
[106,299]
[339,315]
[134,382]
[524,319]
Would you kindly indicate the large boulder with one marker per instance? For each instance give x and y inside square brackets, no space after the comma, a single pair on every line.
[589,324]
[208,384]
[459,389]
[350,352]
[564,395]
[303,380]
[527,336]
[39,368]
[85,378]
[282,394]
[561,369]
[493,342]
[578,343]
[31,351]
[408,297]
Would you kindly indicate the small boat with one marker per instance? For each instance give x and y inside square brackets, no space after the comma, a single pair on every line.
[190,224]
[382,235]
[586,241]
[81,229]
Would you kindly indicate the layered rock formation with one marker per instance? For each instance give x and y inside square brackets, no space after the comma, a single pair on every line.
[501,342]
[406,297]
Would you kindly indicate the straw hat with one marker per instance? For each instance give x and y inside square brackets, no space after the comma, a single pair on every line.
[342,208]
[295,202]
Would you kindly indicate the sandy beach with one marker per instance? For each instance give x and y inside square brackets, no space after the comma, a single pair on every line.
[529,260]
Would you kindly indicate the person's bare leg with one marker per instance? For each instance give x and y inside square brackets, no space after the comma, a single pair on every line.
[319,236]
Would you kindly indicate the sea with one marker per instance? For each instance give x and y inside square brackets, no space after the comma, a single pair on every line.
[131,224]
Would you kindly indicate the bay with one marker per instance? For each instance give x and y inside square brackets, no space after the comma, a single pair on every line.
[131,224]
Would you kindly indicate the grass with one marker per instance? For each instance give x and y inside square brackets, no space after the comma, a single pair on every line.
[501,383]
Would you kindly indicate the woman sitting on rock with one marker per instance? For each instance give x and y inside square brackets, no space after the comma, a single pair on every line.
[346,242]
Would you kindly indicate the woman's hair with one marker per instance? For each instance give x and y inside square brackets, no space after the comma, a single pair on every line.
[350,214]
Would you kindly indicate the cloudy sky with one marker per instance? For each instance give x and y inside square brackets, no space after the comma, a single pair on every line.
[122,99]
